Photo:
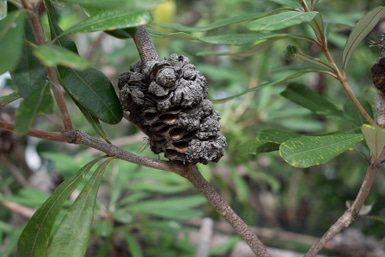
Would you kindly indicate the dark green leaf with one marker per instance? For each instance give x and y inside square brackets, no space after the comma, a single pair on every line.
[360,31]
[110,20]
[11,40]
[95,123]
[309,99]
[351,110]
[93,91]
[309,151]
[267,140]
[4,100]
[375,139]
[128,5]
[281,20]
[52,55]
[29,73]
[33,241]
[40,101]
[72,236]
[90,88]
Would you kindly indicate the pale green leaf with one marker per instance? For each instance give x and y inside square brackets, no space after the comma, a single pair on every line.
[309,151]
[281,20]
[360,31]
[128,5]
[374,138]
[11,40]
[52,55]
[72,236]
[33,241]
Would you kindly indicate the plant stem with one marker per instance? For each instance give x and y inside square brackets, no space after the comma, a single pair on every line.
[350,214]
[145,46]
[225,211]
[33,17]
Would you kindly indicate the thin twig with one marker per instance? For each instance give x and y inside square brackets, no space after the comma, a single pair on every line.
[350,214]
[145,46]
[225,211]
[33,17]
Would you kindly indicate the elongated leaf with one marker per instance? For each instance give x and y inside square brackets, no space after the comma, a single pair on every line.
[11,40]
[266,140]
[52,55]
[174,208]
[297,74]
[128,5]
[374,138]
[309,151]
[291,3]
[309,99]
[72,236]
[133,246]
[281,20]
[90,87]
[40,101]
[110,20]
[29,73]
[4,100]
[359,32]
[377,218]
[216,24]
[33,241]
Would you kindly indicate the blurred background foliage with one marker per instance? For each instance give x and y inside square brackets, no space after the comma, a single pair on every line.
[157,207]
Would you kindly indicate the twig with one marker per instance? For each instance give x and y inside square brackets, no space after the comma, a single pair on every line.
[33,16]
[350,214]
[225,211]
[145,46]
[14,171]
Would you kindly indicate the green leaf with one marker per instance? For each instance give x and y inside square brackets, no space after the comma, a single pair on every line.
[267,140]
[11,40]
[90,88]
[33,241]
[72,236]
[172,208]
[4,100]
[309,151]
[74,230]
[114,4]
[29,73]
[40,101]
[133,246]
[95,123]
[351,110]
[216,24]
[110,20]
[93,91]
[374,138]
[296,74]
[281,20]
[360,31]
[241,187]
[52,55]
[377,218]
[307,98]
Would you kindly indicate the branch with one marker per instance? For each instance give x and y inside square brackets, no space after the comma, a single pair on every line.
[225,211]
[350,214]
[145,46]
[33,16]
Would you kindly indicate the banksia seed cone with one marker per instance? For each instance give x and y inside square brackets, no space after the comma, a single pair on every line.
[168,101]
